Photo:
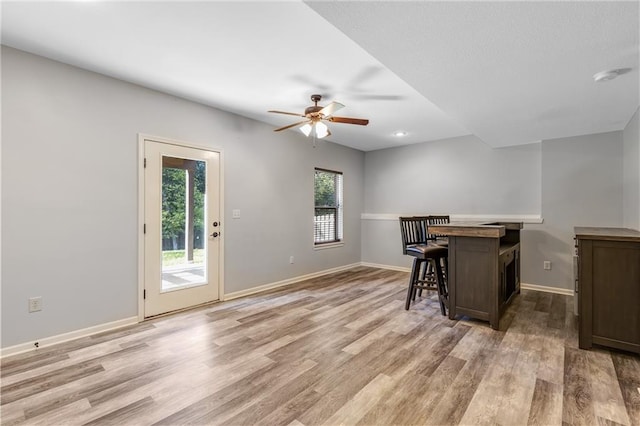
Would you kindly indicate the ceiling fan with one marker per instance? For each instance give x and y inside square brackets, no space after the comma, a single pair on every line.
[315,115]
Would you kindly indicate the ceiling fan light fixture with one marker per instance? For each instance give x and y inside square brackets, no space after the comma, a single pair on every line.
[321,130]
[317,129]
[306,129]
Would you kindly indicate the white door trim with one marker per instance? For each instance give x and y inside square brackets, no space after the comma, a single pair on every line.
[141,138]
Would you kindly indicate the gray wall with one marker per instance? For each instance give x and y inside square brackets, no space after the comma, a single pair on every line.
[631,170]
[69,194]
[572,181]
[457,176]
[461,176]
[581,186]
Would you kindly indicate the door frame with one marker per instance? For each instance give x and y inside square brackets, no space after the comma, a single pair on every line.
[142,137]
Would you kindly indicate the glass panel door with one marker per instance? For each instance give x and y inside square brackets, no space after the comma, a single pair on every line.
[184,247]
[183,233]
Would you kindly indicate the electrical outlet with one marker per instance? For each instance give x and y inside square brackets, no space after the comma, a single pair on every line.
[290,259]
[35,304]
[547,265]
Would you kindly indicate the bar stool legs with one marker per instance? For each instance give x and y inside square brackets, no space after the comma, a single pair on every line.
[419,281]
[413,278]
[443,294]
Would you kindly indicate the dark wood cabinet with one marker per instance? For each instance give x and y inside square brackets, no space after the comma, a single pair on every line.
[609,287]
[484,268]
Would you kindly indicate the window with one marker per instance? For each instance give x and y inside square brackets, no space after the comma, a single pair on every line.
[327,219]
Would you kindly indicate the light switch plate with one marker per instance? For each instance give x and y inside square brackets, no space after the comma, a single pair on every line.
[35,304]
[236,214]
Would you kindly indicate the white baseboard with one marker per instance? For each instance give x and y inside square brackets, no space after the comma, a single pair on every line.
[60,338]
[288,281]
[525,286]
[546,289]
[389,267]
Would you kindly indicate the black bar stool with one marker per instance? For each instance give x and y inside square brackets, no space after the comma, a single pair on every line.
[415,243]
[437,239]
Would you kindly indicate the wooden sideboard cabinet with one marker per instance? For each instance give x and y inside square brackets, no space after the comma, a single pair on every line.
[484,268]
[609,287]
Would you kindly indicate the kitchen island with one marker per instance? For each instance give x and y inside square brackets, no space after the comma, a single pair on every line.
[484,268]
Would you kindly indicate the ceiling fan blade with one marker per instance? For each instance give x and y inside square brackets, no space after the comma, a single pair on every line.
[331,108]
[291,125]
[349,120]
[288,113]
[366,97]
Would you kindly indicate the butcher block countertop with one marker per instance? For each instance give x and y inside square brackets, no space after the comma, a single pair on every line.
[474,229]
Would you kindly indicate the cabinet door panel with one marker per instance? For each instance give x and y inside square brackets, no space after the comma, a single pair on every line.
[616,291]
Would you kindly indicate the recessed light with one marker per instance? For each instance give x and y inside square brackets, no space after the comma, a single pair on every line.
[609,74]
[399,133]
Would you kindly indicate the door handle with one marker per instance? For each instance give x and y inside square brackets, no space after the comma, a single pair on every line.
[215,234]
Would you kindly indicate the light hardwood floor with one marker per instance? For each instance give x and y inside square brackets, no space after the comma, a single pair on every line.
[339,349]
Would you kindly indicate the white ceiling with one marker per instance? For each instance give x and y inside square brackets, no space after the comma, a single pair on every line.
[510,73]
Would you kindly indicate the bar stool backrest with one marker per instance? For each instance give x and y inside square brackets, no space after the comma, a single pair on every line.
[436,220]
[413,230]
